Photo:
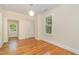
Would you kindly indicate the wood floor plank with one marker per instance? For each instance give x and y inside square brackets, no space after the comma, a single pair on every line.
[32,47]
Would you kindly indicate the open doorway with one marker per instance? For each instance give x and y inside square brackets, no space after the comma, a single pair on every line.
[13,29]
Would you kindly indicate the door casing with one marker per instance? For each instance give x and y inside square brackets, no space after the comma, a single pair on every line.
[17,27]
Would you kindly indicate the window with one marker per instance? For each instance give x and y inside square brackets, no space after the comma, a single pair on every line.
[48,25]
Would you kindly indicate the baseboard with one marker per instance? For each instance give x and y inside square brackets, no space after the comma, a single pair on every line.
[37,38]
[27,38]
[63,46]
[31,38]
[1,45]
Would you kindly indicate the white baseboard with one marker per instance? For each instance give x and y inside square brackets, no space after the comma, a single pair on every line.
[64,46]
[1,45]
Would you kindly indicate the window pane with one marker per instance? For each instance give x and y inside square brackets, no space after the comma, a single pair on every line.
[48,24]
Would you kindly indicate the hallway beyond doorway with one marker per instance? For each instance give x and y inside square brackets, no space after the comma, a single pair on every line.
[13,29]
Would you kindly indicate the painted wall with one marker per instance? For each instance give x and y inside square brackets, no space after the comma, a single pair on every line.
[25,23]
[66,27]
[26,29]
[38,24]
[1,41]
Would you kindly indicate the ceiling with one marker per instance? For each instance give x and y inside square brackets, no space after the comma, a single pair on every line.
[24,8]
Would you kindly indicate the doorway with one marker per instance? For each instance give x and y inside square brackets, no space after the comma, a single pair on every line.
[13,30]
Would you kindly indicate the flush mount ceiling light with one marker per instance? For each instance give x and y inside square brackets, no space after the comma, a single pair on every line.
[31,12]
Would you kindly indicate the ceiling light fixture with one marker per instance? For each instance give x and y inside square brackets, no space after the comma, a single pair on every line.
[31,12]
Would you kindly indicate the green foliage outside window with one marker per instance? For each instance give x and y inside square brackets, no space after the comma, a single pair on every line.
[49,24]
[12,27]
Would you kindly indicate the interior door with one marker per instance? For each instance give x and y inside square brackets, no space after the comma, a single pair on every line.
[13,29]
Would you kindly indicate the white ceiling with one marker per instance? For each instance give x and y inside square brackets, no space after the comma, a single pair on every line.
[24,8]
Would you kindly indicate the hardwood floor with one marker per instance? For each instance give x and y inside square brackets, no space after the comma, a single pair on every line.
[32,47]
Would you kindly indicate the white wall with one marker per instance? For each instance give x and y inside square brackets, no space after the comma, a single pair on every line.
[26,29]
[1,41]
[26,25]
[1,27]
[38,25]
[66,28]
